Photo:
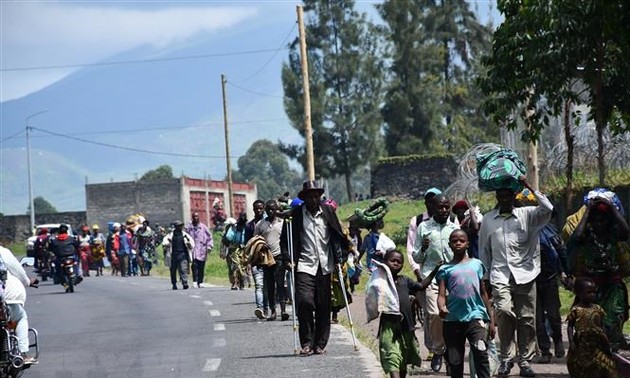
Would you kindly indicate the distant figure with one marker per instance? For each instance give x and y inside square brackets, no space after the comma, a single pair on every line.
[178,247]
[203,245]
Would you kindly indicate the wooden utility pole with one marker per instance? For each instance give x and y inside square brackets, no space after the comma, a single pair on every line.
[227,145]
[308,131]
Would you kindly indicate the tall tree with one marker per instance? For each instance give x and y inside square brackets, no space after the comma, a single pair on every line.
[432,102]
[266,166]
[42,206]
[345,72]
[544,46]
[161,172]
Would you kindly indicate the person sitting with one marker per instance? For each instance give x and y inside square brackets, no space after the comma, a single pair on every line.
[15,297]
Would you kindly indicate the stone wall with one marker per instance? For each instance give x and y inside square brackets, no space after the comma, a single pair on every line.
[410,176]
[16,228]
[159,200]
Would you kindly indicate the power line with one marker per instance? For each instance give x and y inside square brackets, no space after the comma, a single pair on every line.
[12,136]
[130,148]
[165,128]
[122,62]
[281,47]
[253,92]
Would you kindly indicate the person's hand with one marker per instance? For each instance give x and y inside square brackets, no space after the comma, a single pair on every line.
[425,243]
[443,312]
[34,283]
[288,265]
[492,331]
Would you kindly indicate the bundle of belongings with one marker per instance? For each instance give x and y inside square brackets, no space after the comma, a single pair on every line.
[258,253]
[364,218]
[500,169]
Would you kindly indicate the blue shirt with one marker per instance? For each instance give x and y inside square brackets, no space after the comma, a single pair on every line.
[464,300]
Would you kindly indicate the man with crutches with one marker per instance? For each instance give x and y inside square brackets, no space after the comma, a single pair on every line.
[318,244]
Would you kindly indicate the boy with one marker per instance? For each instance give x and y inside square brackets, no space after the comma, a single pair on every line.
[467,310]
[397,342]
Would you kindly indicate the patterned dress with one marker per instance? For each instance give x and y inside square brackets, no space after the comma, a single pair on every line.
[590,355]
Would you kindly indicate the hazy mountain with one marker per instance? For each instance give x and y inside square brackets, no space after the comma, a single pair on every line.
[170,106]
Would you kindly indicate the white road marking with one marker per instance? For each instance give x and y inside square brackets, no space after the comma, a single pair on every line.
[212,364]
[219,343]
[208,303]
[219,327]
[214,313]
[195,296]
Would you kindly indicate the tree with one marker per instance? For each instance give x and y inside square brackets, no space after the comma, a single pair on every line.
[432,102]
[543,47]
[161,172]
[266,166]
[345,72]
[41,207]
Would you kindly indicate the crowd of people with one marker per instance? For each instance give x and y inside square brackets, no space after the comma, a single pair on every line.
[474,275]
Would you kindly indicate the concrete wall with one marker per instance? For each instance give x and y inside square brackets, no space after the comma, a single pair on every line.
[16,228]
[159,201]
[410,176]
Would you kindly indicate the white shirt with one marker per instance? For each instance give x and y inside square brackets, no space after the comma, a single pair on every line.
[17,280]
[438,250]
[509,246]
[315,252]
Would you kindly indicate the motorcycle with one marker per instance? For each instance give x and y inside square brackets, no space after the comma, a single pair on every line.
[69,278]
[12,363]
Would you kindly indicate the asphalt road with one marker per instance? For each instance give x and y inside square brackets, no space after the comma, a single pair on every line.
[139,327]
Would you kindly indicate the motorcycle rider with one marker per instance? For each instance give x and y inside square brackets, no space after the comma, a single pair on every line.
[64,246]
[15,296]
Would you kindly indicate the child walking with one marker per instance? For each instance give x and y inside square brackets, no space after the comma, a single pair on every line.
[589,349]
[388,295]
[468,308]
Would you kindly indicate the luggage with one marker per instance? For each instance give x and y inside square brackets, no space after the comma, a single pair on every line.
[500,170]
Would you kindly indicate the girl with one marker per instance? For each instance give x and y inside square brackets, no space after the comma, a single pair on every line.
[467,310]
[589,348]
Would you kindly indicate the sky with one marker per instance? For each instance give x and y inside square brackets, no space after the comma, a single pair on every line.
[50,59]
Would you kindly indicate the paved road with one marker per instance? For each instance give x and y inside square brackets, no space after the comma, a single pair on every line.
[139,327]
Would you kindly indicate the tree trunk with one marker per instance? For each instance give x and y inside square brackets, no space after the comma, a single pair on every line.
[600,120]
[349,189]
[568,138]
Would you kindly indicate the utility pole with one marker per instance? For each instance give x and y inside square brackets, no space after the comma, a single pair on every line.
[30,171]
[227,144]
[308,131]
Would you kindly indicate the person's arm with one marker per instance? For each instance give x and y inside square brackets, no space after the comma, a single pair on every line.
[421,244]
[14,267]
[474,223]
[427,281]
[441,300]
[485,248]
[570,328]
[411,238]
[542,214]
[486,302]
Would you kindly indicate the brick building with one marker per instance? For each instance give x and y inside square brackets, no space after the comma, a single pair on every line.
[164,201]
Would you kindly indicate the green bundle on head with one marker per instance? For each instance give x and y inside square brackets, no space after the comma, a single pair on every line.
[364,218]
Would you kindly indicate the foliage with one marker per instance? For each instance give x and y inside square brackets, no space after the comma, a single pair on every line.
[161,172]
[542,49]
[345,75]
[266,166]
[408,159]
[41,206]
[432,103]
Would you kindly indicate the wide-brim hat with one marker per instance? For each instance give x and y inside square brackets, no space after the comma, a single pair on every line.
[308,187]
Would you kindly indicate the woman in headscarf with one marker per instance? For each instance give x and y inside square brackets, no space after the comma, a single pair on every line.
[600,250]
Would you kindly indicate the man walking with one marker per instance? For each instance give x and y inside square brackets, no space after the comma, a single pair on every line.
[271,229]
[318,244]
[178,247]
[431,249]
[510,250]
[260,295]
[203,245]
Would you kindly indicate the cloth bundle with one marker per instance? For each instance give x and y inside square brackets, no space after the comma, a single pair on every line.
[381,294]
[500,170]
[364,218]
[258,253]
